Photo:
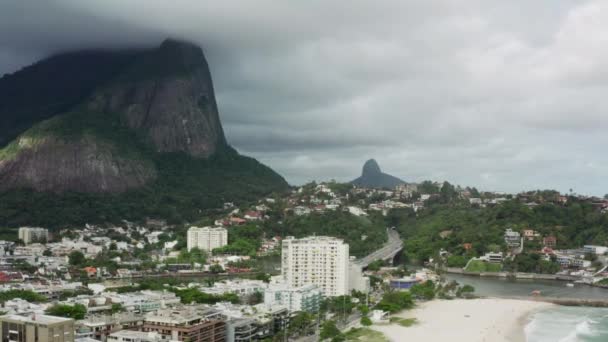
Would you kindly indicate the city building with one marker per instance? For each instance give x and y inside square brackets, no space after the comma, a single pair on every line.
[134,336]
[512,238]
[240,287]
[317,260]
[99,327]
[598,250]
[305,298]
[550,241]
[403,283]
[187,325]
[356,280]
[33,234]
[491,257]
[207,238]
[36,328]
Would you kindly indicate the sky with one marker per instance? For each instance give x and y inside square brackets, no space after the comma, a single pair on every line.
[501,95]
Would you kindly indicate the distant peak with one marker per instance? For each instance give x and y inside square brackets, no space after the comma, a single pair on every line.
[371,167]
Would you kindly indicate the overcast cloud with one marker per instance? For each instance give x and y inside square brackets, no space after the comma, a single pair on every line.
[502,95]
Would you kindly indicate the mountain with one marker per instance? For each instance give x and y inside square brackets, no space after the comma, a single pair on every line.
[138,129]
[373,177]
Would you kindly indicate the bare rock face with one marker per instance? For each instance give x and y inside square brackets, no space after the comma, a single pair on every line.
[161,100]
[87,165]
[168,95]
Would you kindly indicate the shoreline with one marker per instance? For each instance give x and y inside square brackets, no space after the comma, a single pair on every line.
[466,320]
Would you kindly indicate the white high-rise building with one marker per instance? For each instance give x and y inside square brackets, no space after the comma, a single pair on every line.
[207,238]
[317,260]
[33,234]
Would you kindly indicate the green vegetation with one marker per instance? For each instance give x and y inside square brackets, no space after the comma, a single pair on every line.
[242,240]
[404,322]
[424,291]
[28,295]
[365,321]
[363,234]
[189,186]
[76,258]
[302,324]
[329,330]
[531,263]
[342,306]
[193,295]
[375,265]
[574,224]
[364,335]
[117,307]
[395,301]
[479,266]
[76,311]
[194,256]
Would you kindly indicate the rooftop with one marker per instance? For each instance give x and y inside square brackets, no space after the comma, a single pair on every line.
[35,318]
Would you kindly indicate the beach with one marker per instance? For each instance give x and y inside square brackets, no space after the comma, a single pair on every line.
[473,320]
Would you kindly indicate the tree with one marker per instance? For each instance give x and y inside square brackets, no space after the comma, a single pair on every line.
[364,309]
[255,298]
[301,324]
[424,291]
[117,307]
[329,330]
[76,258]
[365,321]
[76,311]
[216,268]
[395,301]
[265,277]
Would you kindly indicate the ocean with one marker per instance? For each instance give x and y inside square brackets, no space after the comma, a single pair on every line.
[557,324]
[568,324]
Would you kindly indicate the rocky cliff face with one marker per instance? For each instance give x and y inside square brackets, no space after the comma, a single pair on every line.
[373,177]
[85,165]
[162,99]
[169,96]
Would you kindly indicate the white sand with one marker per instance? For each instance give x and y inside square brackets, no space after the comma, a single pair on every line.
[474,320]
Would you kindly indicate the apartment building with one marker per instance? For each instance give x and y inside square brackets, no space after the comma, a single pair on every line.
[207,238]
[187,325]
[316,260]
[36,328]
[33,234]
[306,298]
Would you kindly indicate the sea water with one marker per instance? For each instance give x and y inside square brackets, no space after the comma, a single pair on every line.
[568,324]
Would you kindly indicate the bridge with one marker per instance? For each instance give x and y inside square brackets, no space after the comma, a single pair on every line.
[387,252]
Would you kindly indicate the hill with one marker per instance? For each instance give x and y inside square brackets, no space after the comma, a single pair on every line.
[373,177]
[139,137]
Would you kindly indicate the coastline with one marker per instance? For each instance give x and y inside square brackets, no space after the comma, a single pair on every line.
[466,320]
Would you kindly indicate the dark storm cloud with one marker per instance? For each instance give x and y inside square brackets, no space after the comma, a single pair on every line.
[504,95]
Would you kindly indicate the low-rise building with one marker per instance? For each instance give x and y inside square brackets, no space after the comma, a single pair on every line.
[134,336]
[305,298]
[99,327]
[512,238]
[597,250]
[550,241]
[36,328]
[187,325]
[493,257]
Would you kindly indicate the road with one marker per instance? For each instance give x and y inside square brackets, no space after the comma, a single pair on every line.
[390,248]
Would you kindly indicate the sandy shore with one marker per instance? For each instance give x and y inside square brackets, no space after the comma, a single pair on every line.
[475,320]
